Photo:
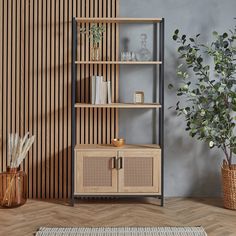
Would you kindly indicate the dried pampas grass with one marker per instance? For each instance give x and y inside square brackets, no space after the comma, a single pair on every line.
[18,148]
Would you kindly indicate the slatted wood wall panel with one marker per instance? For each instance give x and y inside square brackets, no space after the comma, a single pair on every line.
[97,125]
[35,87]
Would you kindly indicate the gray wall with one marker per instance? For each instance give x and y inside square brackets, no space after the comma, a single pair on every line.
[191,169]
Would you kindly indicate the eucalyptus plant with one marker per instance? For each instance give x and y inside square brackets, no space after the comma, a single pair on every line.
[207,84]
[95,33]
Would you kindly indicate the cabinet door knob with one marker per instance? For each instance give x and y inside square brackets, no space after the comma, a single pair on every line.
[120,163]
[113,163]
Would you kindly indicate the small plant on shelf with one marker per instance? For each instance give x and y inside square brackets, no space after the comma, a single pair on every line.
[95,34]
[210,100]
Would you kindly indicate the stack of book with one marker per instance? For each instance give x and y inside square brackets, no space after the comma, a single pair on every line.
[100,90]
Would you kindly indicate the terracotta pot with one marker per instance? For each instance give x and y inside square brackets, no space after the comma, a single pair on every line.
[229,185]
[13,192]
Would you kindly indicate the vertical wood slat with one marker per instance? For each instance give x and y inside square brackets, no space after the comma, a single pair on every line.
[43,96]
[117,76]
[65,83]
[110,111]
[82,52]
[35,51]
[56,96]
[87,77]
[35,82]
[61,108]
[47,103]
[8,75]
[104,50]
[100,74]
[96,124]
[4,81]
[30,28]
[39,98]
[111,72]
[1,80]
[12,67]
[52,99]
[79,83]
[24,75]
[91,111]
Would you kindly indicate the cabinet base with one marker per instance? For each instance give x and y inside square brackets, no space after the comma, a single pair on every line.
[161,197]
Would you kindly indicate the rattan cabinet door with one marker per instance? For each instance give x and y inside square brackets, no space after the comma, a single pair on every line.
[95,172]
[139,171]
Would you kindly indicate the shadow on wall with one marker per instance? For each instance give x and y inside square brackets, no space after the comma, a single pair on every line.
[191,166]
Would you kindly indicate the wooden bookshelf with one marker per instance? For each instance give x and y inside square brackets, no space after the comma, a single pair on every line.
[95,125]
[118,20]
[120,62]
[119,105]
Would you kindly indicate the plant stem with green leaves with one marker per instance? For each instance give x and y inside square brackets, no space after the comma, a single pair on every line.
[210,104]
[95,33]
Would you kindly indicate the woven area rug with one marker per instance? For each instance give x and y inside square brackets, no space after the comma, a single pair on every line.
[123,231]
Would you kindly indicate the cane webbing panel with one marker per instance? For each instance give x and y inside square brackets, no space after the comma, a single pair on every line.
[97,171]
[138,171]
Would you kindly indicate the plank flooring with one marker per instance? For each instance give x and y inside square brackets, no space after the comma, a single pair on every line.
[209,213]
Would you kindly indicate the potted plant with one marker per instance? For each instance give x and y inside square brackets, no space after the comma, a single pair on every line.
[95,33]
[210,98]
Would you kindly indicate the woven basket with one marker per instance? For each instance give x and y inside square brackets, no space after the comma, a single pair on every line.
[229,185]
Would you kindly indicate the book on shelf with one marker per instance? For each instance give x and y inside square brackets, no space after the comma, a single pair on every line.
[103,93]
[109,91]
[93,89]
[100,90]
[98,83]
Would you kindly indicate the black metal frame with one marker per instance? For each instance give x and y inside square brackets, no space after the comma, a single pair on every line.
[161,101]
[73,109]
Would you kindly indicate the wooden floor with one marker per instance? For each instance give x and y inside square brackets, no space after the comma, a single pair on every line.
[124,212]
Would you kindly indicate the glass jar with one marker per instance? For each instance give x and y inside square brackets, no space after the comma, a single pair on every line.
[13,190]
[143,54]
[95,53]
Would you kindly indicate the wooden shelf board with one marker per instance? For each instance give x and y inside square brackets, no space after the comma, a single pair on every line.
[111,147]
[118,20]
[118,105]
[120,62]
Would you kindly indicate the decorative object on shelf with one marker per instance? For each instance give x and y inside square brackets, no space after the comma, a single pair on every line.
[95,52]
[143,54]
[125,56]
[139,97]
[128,56]
[13,192]
[210,105]
[109,92]
[100,90]
[133,56]
[118,142]
[95,35]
